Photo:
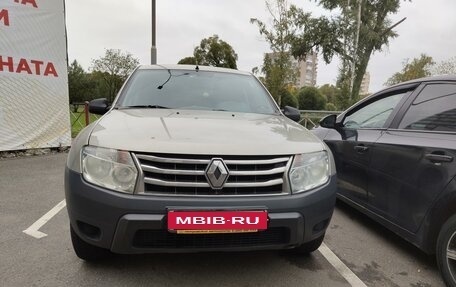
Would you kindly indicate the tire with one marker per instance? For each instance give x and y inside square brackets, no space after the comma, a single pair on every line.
[86,251]
[309,247]
[445,243]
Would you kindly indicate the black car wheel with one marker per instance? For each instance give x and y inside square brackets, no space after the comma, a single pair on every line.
[86,251]
[446,252]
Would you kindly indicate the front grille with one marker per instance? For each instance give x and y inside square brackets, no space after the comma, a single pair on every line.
[185,175]
[165,239]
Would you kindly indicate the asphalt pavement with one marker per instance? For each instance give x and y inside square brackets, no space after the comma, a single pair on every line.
[358,248]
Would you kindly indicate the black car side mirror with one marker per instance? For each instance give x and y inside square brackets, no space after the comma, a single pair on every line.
[99,106]
[329,122]
[292,113]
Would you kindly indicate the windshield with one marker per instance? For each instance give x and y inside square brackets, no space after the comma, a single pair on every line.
[196,90]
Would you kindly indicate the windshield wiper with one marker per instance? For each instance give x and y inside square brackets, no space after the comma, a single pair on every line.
[145,107]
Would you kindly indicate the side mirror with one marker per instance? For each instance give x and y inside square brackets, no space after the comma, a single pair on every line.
[292,113]
[99,106]
[329,122]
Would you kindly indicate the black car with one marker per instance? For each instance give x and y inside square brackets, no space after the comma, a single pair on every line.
[395,158]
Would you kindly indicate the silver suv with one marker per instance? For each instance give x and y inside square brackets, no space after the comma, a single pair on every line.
[192,158]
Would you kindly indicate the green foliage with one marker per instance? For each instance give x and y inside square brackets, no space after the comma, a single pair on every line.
[101,86]
[77,120]
[447,67]
[331,107]
[277,75]
[331,92]
[337,34]
[213,51]
[80,86]
[288,99]
[310,98]
[113,69]
[277,67]
[343,84]
[417,68]
[187,61]
[336,96]
[316,34]
[344,101]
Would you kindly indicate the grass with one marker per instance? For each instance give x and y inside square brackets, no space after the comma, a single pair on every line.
[78,121]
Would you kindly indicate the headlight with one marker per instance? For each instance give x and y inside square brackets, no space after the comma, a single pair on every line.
[109,168]
[309,171]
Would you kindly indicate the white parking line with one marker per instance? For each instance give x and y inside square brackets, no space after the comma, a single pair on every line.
[332,258]
[33,230]
[341,267]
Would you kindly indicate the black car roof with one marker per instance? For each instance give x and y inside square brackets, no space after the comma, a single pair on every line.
[428,79]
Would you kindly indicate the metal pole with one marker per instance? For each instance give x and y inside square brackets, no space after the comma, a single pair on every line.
[153,50]
[86,113]
[355,51]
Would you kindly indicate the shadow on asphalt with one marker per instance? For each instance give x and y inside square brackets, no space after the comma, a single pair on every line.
[390,237]
[211,261]
[265,268]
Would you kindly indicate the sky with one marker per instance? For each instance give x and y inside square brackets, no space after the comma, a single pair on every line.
[181,24]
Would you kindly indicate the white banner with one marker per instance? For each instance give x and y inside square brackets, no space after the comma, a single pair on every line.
[34,105]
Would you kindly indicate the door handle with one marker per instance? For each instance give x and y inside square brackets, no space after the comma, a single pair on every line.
[437,158]
[361,148]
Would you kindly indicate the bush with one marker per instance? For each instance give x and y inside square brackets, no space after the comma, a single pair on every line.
[288,99]
[331,107]
[310,98]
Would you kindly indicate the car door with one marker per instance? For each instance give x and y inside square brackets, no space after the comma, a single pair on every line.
[351,143]
[415,158]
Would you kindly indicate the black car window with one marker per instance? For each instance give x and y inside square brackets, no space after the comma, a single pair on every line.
[197,90]
[373,115]
[433,110]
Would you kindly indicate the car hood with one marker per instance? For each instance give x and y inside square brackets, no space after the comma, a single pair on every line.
[202,132]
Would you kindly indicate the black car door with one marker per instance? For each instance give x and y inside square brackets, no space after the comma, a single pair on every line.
[351,143]
[415,159]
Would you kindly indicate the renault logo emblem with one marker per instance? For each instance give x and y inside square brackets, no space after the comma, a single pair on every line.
[217,173]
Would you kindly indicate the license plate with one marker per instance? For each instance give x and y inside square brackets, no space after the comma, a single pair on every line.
[204,222]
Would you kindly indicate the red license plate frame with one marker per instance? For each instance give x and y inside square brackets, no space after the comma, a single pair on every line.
[204,222]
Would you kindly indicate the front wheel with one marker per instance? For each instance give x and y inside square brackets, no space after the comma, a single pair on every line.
[86,251]
[446,252]
[310,246]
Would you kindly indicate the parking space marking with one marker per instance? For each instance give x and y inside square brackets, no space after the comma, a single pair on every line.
[332,258]
[340,266]
[33,230]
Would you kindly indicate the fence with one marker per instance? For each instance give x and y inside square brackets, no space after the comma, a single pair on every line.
[310,118]
[80,117]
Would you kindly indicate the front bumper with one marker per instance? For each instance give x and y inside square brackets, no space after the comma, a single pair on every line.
[130,223]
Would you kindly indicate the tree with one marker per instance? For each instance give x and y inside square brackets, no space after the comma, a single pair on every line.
[213,51]
[101,88]
[188,61]
[332,94]
[362,28]
[115,66]
[277,67]
[447,67]
[288,99]
[330,107]
[310,98]
[81,88]
[417,68]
